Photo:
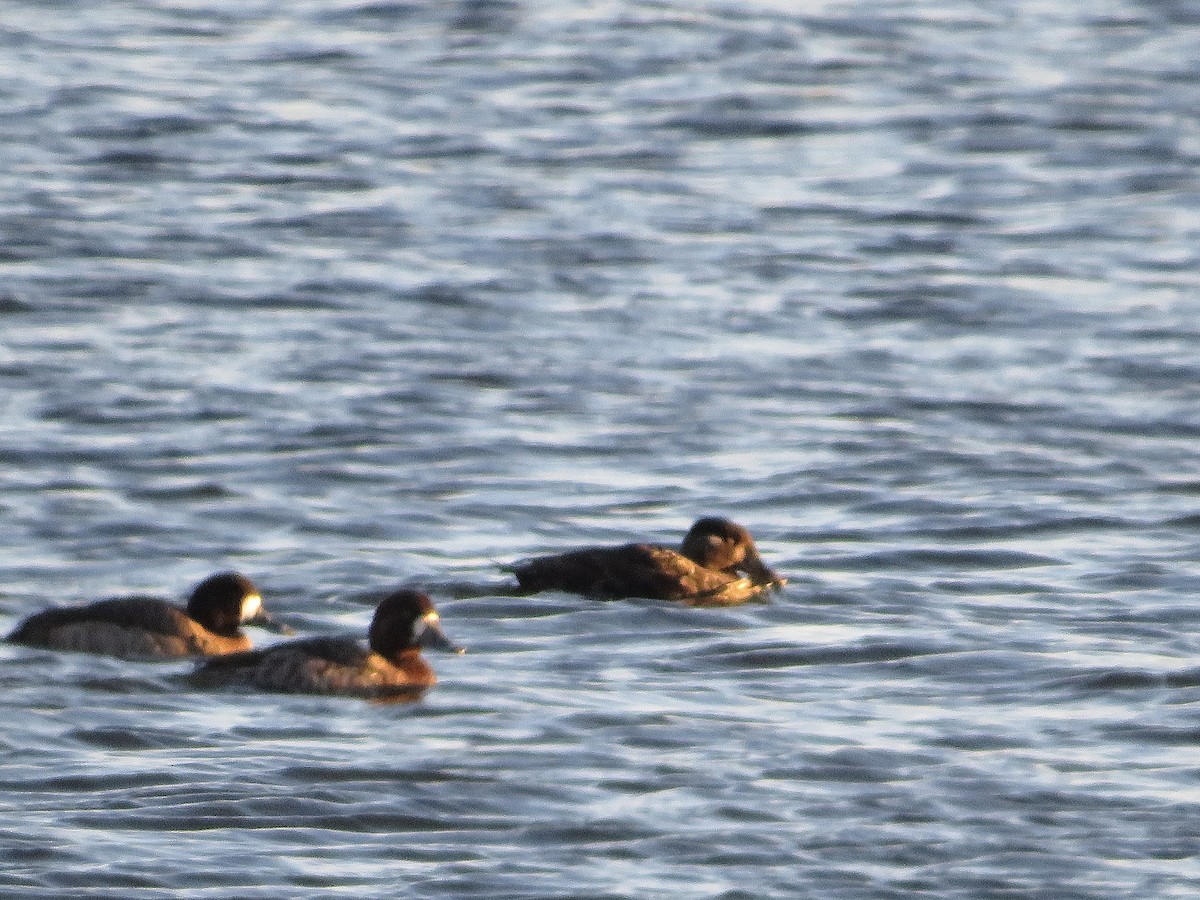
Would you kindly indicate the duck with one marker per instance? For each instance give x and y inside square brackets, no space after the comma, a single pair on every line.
[147,628]
[717,564]
[389,667]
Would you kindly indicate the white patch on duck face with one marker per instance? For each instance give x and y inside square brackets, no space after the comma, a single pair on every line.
[251,606]
[419,626]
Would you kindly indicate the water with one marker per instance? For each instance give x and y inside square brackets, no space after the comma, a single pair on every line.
[351,294]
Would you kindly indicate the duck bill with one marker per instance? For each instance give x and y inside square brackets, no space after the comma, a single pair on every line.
[434,638]
[269,623]
[758,572]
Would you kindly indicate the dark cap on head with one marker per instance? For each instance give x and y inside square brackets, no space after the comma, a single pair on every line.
[218,602]
[406,619]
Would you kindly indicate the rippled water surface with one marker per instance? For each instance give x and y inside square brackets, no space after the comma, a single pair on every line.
[351,294]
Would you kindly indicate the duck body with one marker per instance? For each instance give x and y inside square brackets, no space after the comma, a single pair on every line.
[717,565]
[128,627]
[320,665]
[147,628]
[391,666]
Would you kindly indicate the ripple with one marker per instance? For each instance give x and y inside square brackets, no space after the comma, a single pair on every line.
[942,559]
[787,657]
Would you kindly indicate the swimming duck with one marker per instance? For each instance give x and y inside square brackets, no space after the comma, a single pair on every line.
[703,572]
[149,628]
[391,666]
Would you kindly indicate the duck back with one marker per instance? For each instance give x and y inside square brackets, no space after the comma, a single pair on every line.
[321,665]
[126,627]
[631,570]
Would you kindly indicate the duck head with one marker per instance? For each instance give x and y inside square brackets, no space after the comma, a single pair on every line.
[406,620]
[725,546]
[224,602]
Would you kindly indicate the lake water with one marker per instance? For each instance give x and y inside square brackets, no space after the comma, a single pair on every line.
[358,293]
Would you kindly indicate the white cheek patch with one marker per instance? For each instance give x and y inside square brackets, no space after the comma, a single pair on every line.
[251,606]
[422,624]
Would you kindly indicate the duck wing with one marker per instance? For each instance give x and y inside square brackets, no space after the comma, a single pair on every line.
[309,665]
[577,572]
[659,572]
[127,627]
[335,651]
[145,613]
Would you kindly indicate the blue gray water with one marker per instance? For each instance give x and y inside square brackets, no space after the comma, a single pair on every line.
[358,293]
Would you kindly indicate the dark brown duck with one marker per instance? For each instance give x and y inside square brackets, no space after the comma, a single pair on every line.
[391,666]
[717,565]
[149,628]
